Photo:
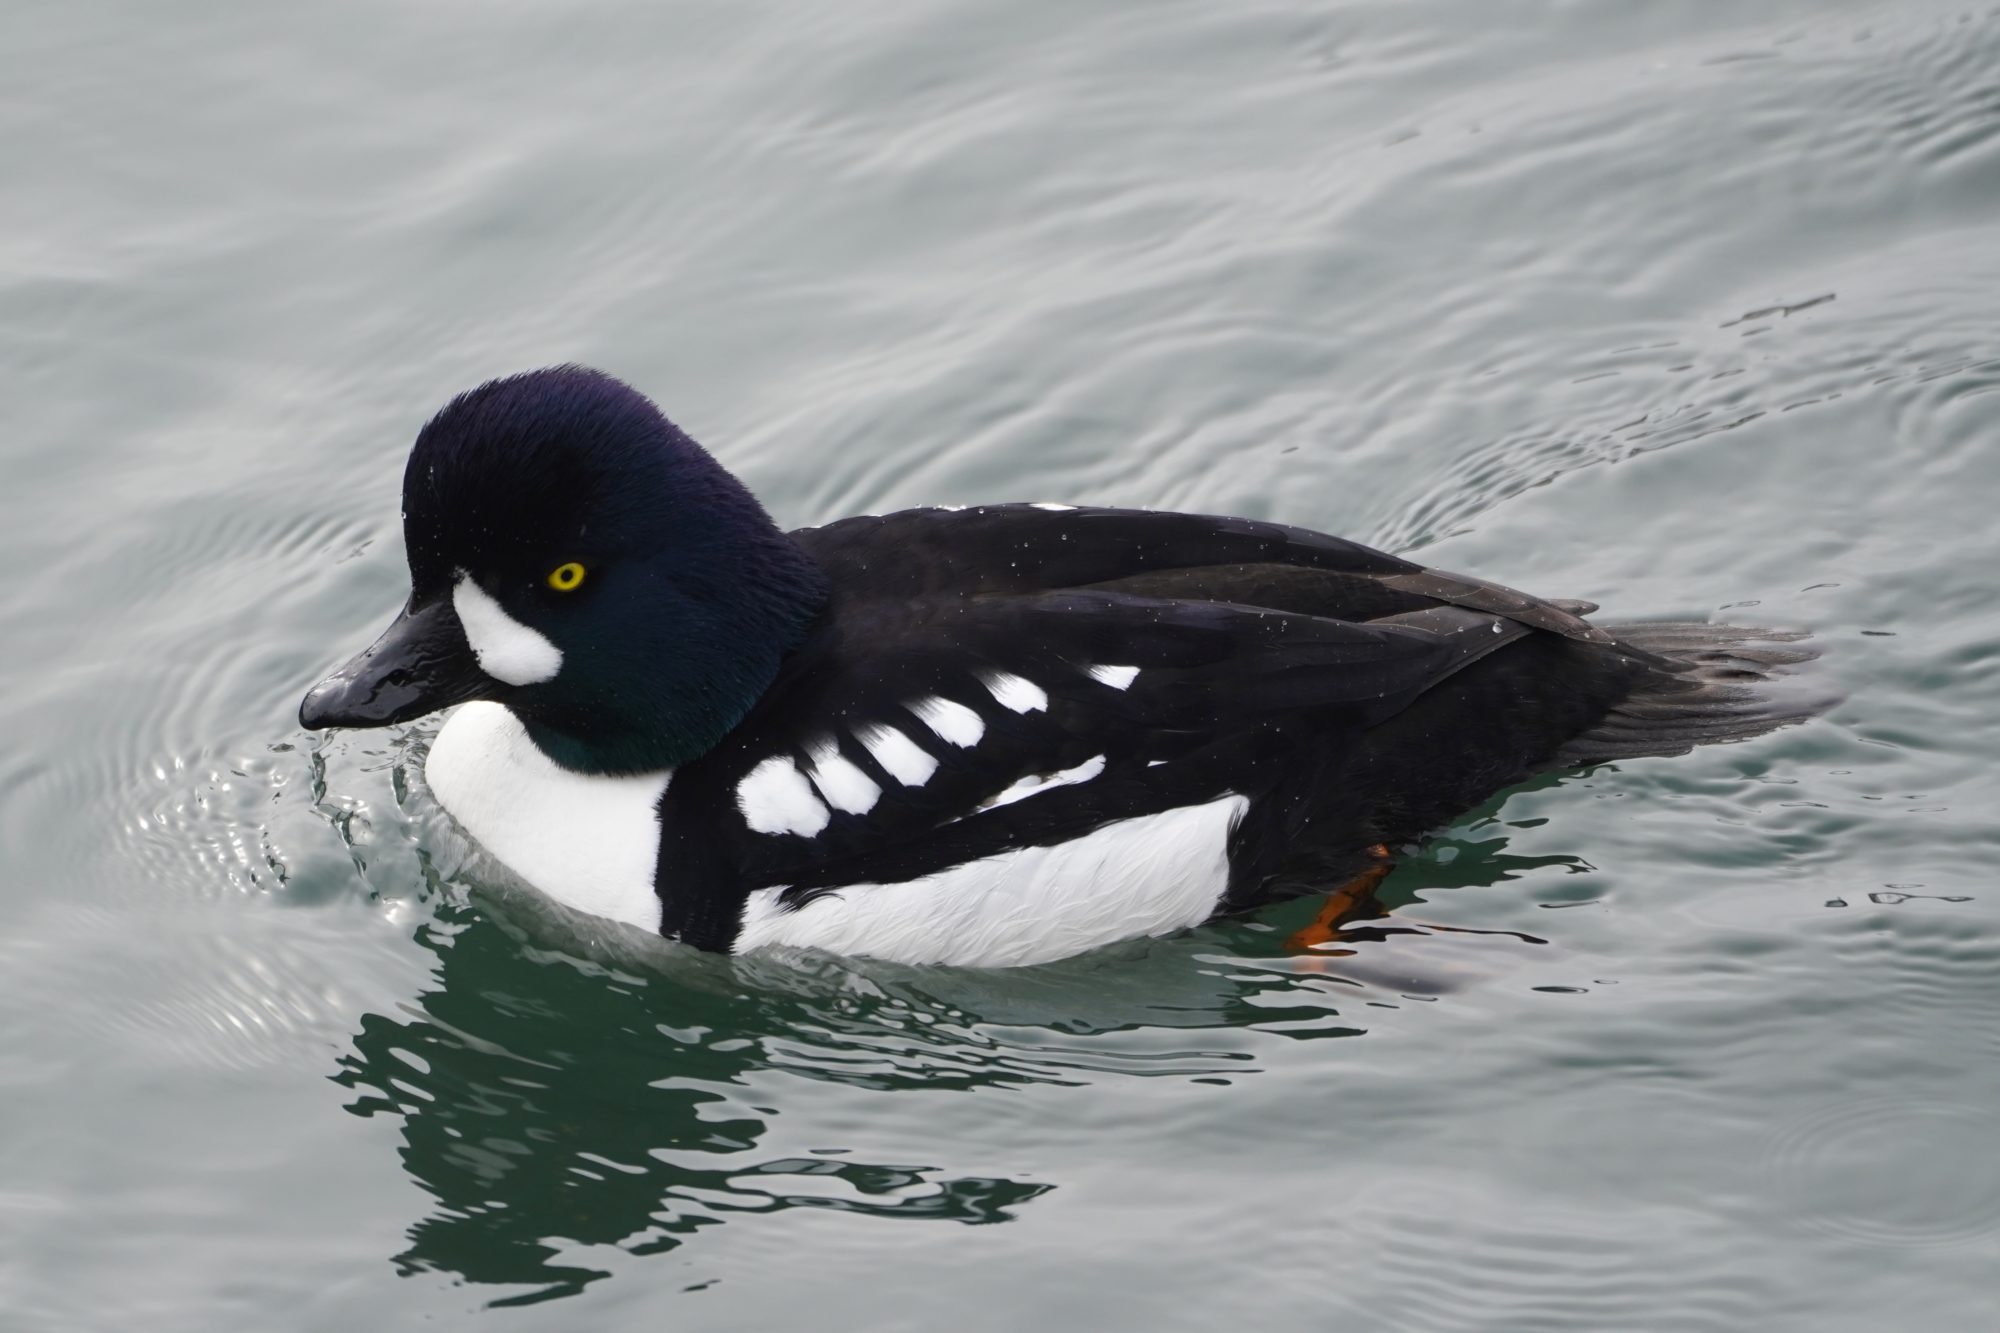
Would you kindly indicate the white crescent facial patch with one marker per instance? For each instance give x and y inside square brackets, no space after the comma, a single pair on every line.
[507,650]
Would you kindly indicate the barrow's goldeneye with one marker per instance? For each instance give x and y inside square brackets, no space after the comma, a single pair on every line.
[989,736]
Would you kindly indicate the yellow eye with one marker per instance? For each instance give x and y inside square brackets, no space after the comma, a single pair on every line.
[566,577]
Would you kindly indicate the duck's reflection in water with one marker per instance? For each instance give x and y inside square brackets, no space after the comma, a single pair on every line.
[550,1106]
[616,1095]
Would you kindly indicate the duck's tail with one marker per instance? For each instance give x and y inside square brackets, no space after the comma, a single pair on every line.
[1709,683]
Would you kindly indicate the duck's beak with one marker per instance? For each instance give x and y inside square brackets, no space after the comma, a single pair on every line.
[420,664]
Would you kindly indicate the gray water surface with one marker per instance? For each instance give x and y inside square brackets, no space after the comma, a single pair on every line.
[1687,308]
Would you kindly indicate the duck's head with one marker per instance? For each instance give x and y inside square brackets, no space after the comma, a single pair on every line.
[576,557]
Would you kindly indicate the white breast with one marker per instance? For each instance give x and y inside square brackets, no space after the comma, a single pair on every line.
[592,843]
[1144,876]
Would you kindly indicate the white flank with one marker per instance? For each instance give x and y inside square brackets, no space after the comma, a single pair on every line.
[1117,677]
[776,798]
[844,786]
[952,722]
[507,650]
[1015,693]
[591,843]
[1053,507]
[903,759]
[1040,782]
[1146,876]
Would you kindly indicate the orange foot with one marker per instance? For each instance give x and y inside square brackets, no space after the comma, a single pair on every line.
[1340,906]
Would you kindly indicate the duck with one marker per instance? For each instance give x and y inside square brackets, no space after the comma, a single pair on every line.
[988,736]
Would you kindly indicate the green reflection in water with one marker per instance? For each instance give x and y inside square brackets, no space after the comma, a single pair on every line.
[552,1101]
[548,1105]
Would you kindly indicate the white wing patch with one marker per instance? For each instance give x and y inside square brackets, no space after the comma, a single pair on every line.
[952,722]
[902,758]
[589,842]
[507,650]
[1015,693]
[1145,876]
[776,798]
[844,786]
[1117,677]
[1040,782]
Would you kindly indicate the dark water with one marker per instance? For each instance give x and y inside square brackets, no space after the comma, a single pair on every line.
[1686,308]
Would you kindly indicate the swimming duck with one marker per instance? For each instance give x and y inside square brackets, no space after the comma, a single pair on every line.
[990,736]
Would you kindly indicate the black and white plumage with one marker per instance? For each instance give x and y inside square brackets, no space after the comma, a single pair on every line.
[990,736]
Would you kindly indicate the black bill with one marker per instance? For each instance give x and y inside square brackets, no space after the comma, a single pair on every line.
[420,664]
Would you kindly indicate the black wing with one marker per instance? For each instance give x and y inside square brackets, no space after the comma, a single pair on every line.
[1020,548]
[1122,705]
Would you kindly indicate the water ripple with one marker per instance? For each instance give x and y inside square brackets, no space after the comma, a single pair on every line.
[1891,1171]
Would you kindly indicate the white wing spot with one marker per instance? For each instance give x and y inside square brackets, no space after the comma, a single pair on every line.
[507,650]
[844,786]
[952,722]
[1016,693]
[901,757]
[1041,782]
[1117,677]
[776,798]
